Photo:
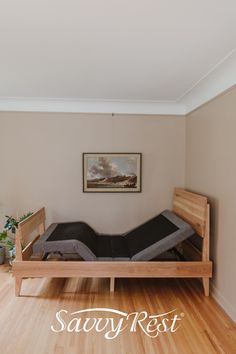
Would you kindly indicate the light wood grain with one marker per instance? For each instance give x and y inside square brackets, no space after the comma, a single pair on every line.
[28,250]
[25,321]
[112,269]
[18,282]
[191,252]
[34,221]
[192,208]
[19,256]
[112,285]
[206,250]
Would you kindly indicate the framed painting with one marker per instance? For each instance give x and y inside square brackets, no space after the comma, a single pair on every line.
[112,172]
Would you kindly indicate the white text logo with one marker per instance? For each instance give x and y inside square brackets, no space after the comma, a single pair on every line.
[113,322]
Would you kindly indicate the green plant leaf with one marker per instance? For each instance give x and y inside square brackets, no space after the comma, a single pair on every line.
[3,235]
[11,225]
[25,216]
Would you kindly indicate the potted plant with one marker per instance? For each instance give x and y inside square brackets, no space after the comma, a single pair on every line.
[2,255]
[7,237]
[12,223]
[3,236]
[7,242]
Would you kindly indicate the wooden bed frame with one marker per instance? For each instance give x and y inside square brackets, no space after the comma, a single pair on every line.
[191,207]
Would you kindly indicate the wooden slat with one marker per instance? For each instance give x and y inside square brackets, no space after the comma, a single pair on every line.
[28,250]
[195,198]
[112,285]
[191,252]
[197,224]
[18,246]
[192,208]
[112,269]
[197,210]
[206,240]
[27,226]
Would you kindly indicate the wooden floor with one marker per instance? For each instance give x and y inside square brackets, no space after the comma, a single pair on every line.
[25,321]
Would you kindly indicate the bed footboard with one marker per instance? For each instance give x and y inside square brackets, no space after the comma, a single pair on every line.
[84,269]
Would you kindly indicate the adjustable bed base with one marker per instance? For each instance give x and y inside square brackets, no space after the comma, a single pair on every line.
[191,208]
[143,243]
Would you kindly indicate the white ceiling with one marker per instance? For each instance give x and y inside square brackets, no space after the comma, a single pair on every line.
[86,54]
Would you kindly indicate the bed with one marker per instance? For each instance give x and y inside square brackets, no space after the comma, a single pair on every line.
[133,254]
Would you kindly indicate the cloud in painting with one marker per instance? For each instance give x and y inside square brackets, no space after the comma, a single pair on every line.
[103,168]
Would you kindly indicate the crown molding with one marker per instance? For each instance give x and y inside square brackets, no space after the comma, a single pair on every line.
[220,79]
[91,106]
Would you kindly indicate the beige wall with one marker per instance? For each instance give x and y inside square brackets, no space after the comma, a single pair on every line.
[41,164]
[211,170]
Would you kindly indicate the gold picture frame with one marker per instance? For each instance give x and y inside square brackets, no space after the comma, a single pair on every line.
[112,172]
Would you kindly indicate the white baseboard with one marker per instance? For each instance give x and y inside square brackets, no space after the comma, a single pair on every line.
[225,304]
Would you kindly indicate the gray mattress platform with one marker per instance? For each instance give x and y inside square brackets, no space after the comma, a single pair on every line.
[143,243]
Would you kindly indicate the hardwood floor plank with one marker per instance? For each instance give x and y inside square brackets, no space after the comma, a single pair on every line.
[25,321]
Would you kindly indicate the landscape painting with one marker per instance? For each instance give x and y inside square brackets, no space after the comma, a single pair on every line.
[112,172]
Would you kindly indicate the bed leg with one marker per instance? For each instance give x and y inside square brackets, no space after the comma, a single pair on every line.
[112,285]
[206,286]
[18,282]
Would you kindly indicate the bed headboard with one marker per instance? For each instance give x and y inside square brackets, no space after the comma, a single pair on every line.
[193,208]
[36,221]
